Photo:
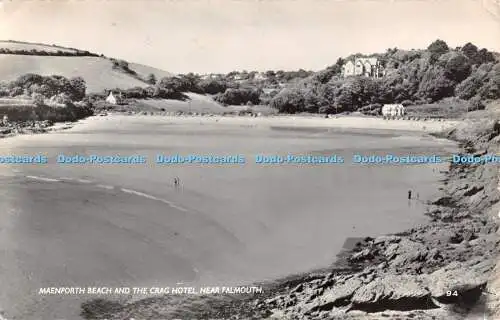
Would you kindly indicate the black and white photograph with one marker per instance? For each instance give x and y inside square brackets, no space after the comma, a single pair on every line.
[249,159]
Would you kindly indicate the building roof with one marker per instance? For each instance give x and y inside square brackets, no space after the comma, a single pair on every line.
[371,61]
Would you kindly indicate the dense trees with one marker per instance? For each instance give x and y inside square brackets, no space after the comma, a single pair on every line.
[56,98]
[58,53]
[181,83]
[483,82]
[212,86]
[150,92]
[457,66]
[416,76]
[241,96]
[476,56]
[436,49]
[77,88]
[435,85]
[30,84]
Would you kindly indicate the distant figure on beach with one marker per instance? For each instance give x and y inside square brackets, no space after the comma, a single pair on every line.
[176,181]
[409,194]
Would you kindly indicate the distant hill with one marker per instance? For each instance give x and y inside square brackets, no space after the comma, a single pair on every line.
[20,45]
[97,71]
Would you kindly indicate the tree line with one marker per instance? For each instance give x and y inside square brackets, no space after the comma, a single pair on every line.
[58,53]
[45,86]
[56,98]
[411,77]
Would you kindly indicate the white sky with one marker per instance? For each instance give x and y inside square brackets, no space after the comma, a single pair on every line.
[224,35]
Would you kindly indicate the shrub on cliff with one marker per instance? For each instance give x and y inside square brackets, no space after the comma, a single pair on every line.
[151,79]
[123,65]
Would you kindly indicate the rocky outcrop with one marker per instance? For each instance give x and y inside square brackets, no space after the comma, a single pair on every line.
[393,292]
[460,281]
[25,127]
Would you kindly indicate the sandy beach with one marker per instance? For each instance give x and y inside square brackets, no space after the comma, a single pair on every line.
[345,122]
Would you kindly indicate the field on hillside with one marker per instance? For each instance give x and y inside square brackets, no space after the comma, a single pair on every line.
[96,71]
[29,46]
[143,71]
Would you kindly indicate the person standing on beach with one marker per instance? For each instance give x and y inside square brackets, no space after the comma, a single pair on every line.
[409,194]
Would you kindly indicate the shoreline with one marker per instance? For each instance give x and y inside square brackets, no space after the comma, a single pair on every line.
[341,122]
[345,122]
[407,274]
[28,131]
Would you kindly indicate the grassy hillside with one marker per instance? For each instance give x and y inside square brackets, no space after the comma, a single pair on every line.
[143,71]
[98,72]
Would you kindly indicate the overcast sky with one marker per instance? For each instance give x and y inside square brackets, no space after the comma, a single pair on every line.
[224,35]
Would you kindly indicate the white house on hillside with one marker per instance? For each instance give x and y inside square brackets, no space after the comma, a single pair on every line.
[114,99]
[368,67]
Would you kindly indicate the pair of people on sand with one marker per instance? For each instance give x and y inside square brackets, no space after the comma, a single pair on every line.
[409,195]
